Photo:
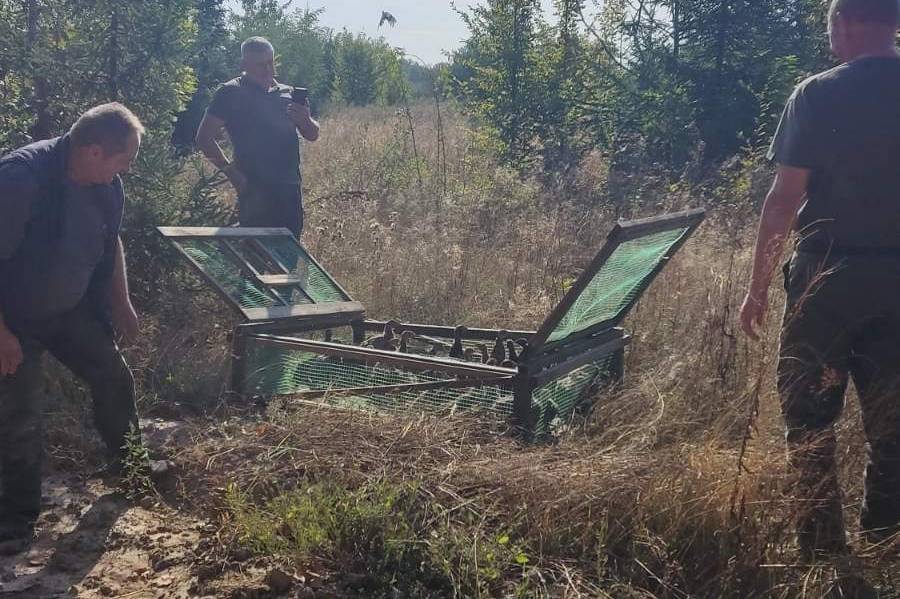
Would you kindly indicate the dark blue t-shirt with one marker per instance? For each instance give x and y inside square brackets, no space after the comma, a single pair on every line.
[265,139]
[843,125]
[53,237]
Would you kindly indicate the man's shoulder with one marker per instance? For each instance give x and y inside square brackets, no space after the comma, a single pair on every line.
[812,83]
[34,161]
[229,88]
[32,153]
[834,73]
[226,100]
[846,74]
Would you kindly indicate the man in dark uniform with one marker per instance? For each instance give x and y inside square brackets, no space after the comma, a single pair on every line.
[63,289]
[837,185]
[262,122]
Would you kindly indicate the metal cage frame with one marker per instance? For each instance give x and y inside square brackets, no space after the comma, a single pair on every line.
[543,361]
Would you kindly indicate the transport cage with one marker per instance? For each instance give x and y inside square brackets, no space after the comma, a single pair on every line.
[305,337]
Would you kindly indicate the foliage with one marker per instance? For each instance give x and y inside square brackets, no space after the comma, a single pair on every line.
[211,63]
[354,70]
[657,82]
[503,55]
[55,67]
[135,480]
[384,529]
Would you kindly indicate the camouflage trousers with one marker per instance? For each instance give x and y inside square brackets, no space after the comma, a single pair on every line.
[842,321]
[83,343]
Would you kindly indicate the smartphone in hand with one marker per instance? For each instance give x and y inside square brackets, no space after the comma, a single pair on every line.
[300,95]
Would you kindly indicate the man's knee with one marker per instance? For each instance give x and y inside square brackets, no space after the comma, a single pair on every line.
[20,402]
[112,384]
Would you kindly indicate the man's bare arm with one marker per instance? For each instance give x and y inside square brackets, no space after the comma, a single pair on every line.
[18,190]
[306,125]
[10,350]
[779,214]
[210,129]
[309,130]
[124,317]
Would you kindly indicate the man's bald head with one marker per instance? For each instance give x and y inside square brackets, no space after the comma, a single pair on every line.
[858,28]
[872,12]
[256,45]
[258,60]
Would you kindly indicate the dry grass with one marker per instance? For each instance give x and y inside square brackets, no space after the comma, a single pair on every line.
[589,514]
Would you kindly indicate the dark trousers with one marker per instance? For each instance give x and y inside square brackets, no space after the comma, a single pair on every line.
[272,205]
[84,343]
[842,320]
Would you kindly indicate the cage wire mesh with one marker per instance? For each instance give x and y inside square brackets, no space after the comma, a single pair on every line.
[223,269]
[555,401]
[279,255]
[320,287]
[280,370]
[617,283]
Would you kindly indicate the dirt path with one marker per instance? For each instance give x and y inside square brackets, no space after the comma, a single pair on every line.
[92,542]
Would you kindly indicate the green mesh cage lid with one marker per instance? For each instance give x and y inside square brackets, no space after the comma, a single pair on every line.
[264,273]
[632,256]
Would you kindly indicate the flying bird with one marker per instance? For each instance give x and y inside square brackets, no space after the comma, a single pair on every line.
[388,18]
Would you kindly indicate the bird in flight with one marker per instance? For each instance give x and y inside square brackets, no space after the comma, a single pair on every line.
[387,17]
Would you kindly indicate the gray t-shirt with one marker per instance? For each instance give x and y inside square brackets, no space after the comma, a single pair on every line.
[265,139]
[40,279]
[844,126]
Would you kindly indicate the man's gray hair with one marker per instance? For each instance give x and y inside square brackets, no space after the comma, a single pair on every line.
[108,126]
[875,12]
[255,45]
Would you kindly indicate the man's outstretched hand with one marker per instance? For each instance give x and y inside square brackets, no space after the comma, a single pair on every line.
[10,352]
[125,322]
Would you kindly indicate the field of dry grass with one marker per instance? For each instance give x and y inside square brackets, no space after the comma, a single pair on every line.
[672,487]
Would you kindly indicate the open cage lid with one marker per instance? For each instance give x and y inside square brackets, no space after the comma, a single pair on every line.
[634,253]
[263,273]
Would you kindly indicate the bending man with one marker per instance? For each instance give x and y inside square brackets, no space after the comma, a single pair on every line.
[62,289]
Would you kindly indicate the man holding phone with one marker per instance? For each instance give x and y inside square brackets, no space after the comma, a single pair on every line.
[262,118]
